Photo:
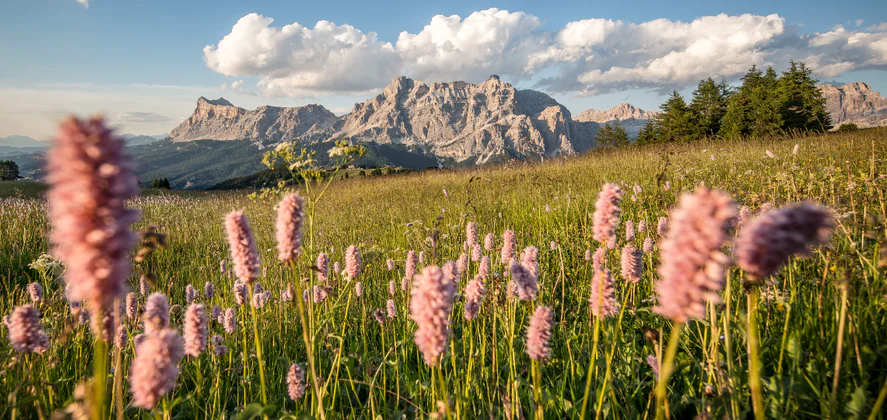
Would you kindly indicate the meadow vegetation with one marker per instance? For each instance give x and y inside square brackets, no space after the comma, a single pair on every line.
[821,320]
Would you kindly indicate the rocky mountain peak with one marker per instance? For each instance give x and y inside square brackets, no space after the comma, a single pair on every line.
[465,122]
[854,103]
[220,120]
[201,101]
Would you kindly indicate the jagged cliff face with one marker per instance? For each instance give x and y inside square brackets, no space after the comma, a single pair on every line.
[220,120]
[472,123]
[461,122]
[855,103]
[625,115]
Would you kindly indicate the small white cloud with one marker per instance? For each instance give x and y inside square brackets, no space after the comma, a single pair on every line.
[859,22]
[85,3]
[237,87]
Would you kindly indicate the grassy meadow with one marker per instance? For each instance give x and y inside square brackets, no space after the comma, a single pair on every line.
[822,319]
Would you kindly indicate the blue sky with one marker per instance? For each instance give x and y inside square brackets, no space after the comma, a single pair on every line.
[143,63]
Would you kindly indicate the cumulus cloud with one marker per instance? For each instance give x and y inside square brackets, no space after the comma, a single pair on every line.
[585,56]
[832,53]
[296,60]
[485,42]
[604,55]
[85,3]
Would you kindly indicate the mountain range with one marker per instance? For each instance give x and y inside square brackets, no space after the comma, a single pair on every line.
[459,122]
[410,123]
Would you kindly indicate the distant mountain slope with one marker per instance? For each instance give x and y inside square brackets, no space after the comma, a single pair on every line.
[21,141]
[855,103]
[220,120]
[627,116]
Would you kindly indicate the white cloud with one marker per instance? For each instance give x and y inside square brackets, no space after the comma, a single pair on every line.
[832,53]
[85,3]
[603,55]
[296,60]
[489,41]
[236,87]
[586,56]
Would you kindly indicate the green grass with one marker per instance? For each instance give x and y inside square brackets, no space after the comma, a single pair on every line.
[21,189]
[369,370]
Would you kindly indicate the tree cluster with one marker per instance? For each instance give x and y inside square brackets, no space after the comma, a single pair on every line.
[161,183]
[764,104]
[8,170]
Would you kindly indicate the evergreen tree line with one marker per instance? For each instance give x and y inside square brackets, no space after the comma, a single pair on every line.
[764,104]
[161,183]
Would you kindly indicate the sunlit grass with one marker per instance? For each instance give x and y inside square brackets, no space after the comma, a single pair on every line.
[368,370]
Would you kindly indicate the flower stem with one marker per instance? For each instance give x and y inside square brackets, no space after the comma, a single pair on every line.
[258,344]
[837,377]
[666,371]
[754,358]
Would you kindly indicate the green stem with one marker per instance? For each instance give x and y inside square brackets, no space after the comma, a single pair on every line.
[258,344]
[754,358]
[309,348]
[837,377]
[100,372]
[666,370]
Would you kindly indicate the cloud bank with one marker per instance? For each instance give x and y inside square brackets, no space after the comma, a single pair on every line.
[585,56]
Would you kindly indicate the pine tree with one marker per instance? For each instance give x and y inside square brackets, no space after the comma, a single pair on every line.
[801,104]
[649,133]
[676,122]
[709,105]
[766,118]
[612,136]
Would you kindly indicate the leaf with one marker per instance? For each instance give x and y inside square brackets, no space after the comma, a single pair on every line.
[794,347]
[857,405]
[250,412]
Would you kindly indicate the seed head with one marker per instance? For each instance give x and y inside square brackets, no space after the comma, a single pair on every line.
[772,238]
[289,228]
[25,332]
[295,382]
[154,370]
[692,268]
[603,295]
[538,334]
[430,308]
[243,247]
[195,330]
[606,213]
[91,178]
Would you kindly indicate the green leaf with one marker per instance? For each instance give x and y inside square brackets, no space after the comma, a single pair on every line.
[858,406]
[250,412]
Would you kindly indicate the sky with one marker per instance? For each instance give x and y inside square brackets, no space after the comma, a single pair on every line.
[144,63]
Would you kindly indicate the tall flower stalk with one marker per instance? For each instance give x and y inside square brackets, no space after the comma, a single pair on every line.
[246,268]
[692,269]
[91,178]
[290,214]
[763,246]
